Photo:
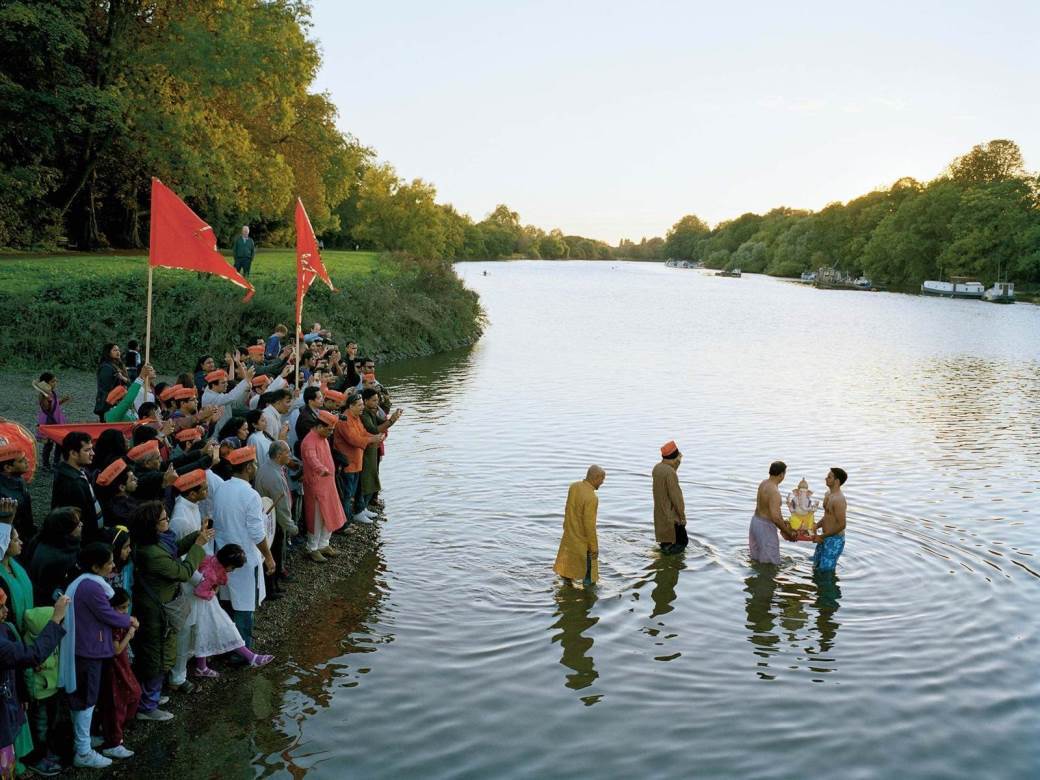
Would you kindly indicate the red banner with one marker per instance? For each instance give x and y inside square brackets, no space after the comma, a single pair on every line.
[308,261]
[180,239]
[58,432]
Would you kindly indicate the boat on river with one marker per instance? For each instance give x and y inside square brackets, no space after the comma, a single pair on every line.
[734,273]
[1000,292]
[683,264]
[809,277]
[957,287]
[833,279]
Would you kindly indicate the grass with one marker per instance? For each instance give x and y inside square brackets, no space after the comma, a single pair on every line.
[26,274]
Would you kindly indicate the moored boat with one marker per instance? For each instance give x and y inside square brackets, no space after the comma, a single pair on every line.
[957,287]
[1000,292]
[735,273]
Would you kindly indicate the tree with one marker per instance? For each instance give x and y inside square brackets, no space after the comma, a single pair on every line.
[998,160]
[683,238]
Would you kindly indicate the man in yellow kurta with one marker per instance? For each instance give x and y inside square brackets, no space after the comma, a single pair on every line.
[579,549]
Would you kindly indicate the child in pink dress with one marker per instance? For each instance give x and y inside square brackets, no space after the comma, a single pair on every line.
[214,632]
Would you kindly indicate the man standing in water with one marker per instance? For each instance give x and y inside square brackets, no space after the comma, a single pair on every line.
[762,539]
[669,507]
[831,539]
[577,558]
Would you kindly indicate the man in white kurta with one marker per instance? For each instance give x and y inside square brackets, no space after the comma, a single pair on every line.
[238,518]
[187,519]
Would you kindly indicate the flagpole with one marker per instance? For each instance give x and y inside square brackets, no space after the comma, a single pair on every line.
[148,319]
[297,354]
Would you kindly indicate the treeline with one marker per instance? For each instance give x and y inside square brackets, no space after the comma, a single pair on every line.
[214,99]
[980,217]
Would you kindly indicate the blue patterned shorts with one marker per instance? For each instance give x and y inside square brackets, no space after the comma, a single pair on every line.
[827,553]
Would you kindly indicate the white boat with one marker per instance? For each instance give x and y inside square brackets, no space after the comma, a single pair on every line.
[1000,292]
[863,283]
[957,287]
[809,276]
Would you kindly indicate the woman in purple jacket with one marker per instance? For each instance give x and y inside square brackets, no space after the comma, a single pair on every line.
[15,657]
[86,646]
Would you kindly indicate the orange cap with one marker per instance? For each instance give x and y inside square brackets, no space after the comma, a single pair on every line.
[184,393]
[142,451]
[336,396]
[114,469]
[216,376]
[190,480]
[261,381]
[241,455]
[328,418]
[189,434]
[9,451]
[169,393]
[115,395]
[257,350]
[669,449]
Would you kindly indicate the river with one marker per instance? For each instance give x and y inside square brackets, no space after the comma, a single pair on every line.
[456,653]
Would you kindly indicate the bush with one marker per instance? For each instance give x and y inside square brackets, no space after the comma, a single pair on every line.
[404,307]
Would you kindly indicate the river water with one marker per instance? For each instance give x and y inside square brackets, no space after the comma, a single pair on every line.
[456,653]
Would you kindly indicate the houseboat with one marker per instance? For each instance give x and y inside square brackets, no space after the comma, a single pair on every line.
[957,287]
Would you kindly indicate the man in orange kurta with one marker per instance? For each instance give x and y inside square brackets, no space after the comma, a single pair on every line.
[577,558]
[350,440]
[323,511]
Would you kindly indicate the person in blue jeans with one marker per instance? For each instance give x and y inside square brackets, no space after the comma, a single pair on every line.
[830,542]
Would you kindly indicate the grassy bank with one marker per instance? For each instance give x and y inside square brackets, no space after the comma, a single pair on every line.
[62,308]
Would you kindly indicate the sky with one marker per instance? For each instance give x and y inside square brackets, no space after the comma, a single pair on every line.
[614,119]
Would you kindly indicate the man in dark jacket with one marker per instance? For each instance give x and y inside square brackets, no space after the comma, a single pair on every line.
[244,251]
[72,486]
[13,465]
[313,400]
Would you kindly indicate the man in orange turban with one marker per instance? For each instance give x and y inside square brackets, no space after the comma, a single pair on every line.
[669,506]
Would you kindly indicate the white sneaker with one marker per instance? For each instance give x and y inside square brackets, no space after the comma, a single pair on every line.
[91,760]
[364,517]
[119,751]
[155,714]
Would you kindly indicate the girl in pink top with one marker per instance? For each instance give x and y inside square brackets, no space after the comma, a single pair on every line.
[214,632]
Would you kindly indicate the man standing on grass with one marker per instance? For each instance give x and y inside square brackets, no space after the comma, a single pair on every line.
[244,251]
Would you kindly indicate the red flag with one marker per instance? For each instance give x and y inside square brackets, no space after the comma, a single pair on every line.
[180,239]
[308,261]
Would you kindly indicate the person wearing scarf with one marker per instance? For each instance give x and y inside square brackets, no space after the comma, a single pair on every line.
[87,644]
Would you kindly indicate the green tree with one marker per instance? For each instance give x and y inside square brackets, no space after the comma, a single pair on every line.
[684,238]
[998,160]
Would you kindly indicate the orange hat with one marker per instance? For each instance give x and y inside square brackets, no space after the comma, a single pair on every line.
[142,451]
[216,376]
[257,350]
[328,418]
[115,395]
[108,476]
[336,396]
[369,377]
[669,449]
[190,480]
[261,381]
[189,434]
[184,393]
[169,393]
[241,455]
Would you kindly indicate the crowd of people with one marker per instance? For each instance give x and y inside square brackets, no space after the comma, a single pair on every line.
[164,537]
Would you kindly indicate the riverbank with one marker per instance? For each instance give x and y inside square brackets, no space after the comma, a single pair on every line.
[64,307]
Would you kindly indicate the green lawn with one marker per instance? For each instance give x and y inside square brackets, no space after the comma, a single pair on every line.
[23,273]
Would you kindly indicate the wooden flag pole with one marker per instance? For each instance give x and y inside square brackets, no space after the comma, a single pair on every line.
[297,355]
[148,319]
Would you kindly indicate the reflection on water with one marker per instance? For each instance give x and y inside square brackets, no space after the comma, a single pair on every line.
[439,665]
[573,620]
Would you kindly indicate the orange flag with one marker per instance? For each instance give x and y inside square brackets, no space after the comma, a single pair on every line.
[180,239]
[308,262]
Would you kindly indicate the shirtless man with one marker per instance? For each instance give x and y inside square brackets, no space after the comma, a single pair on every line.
[831,539]
[762,539]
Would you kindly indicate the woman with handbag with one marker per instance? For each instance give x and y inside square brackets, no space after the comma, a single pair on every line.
[159,603]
